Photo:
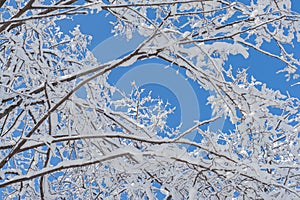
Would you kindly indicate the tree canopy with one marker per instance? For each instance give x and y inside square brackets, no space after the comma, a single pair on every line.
[55,145]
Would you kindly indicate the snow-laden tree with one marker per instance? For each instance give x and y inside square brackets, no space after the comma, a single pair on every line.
[55,145]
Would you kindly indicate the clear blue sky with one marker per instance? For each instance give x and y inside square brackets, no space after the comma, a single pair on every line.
[262,67]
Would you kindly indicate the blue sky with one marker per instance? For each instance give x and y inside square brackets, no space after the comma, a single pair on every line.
[262,67]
